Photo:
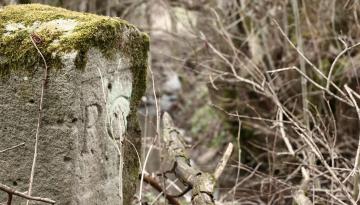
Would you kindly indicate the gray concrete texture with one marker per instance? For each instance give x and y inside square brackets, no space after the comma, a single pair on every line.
[83,129]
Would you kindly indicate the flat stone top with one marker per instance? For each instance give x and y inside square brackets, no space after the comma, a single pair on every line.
[57,31]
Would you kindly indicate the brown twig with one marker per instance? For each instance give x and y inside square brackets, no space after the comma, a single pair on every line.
[9,199]
[39,117]
[12,192]
[150,180]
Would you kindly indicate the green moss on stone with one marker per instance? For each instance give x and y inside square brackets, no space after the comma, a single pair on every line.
[19,22]
[133,132]
[110,35]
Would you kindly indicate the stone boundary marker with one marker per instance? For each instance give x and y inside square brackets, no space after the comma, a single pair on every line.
[89,131]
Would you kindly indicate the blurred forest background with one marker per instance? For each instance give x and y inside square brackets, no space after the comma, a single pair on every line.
[278,78]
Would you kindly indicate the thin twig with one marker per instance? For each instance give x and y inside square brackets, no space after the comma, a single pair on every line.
[157,186]
[156,136]
[39,119]
[223,197]
[20,194]
[306,59]
[336,59]
[355,170]
[283,134]
[315,84]
[13,147]
[239,156]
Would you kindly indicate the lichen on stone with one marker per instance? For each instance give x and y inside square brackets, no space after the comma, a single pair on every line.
[58,31]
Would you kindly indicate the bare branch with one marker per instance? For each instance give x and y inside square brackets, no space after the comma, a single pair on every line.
[157,186]
[336,60]
[11,191]
[202,183]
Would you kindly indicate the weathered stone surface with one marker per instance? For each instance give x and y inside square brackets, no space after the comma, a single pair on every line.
[89,130]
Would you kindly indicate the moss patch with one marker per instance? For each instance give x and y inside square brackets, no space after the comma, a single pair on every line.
[46,26]
[57,31]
